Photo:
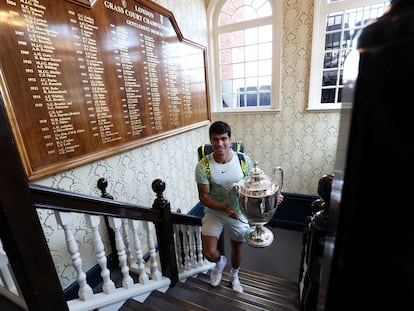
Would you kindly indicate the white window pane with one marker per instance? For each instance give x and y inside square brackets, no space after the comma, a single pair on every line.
[224,41]
[252,82]
[265,68]
[265,51]
[237,55]
[237,38]
[257,4]
[244,13]
[265,80]
[251,53]
[251,36]
[265,33]
[251,69]
[227,101]
[225,56]
[265,10]
[238,83]
[227,86]
[238,71]
[226,72]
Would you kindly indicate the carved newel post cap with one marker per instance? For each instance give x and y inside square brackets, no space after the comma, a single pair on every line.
[325,186]
[158,186]
[102,184]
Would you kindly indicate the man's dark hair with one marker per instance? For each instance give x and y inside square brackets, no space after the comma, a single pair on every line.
[219,127]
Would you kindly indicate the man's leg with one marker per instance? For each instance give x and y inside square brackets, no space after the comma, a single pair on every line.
[210,250]
[212,254]
[236,253]
[236,258]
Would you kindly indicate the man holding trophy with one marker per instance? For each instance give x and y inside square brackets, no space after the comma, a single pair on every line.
[216,174]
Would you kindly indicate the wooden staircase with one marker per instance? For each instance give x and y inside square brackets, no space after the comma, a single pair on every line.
[261,292]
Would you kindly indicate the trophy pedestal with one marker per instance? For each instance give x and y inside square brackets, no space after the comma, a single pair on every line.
[260,236]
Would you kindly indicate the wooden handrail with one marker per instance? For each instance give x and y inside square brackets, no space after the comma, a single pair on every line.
[65,201]
[61,200]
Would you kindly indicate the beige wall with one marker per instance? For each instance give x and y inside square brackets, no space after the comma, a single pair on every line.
[303,143]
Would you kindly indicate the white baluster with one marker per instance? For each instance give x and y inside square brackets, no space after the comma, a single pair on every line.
[6,278]
[128,246]
[155,272]
[108,286]
[191,246]
[115,224]
[201,259]
[178,248]
[185,247]
[65,220]
[143,276]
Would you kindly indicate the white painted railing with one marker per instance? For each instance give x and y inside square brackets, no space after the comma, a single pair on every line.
[129,250]
[189,252]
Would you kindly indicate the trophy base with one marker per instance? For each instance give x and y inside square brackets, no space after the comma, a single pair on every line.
[259,236]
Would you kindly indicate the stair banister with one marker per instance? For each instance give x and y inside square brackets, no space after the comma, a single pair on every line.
[165,233]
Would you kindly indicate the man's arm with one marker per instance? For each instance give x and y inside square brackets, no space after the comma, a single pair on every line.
[206,200]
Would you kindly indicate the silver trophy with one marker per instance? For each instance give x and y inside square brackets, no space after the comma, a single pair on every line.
[258,202]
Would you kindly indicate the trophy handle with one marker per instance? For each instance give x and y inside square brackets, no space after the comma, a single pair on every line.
[279,168]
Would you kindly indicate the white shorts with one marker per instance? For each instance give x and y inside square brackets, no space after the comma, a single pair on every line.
[213,224]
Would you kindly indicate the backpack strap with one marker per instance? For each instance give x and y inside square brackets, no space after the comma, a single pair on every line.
[238,146]
[206,166]
[242,163]
[204,150]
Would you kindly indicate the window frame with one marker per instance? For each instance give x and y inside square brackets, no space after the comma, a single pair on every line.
[213,12]
[321,11]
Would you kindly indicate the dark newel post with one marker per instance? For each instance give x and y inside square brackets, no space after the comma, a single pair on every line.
[21,231]
[102,184]
[165,233]
[313,245]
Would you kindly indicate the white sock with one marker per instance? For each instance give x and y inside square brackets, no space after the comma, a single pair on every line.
[220,264]
[234,272]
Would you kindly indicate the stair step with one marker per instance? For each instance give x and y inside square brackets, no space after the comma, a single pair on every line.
[261,292]
[263,299]
[133,305]
[273,288]
[166,301]
[264,278]
[213,298]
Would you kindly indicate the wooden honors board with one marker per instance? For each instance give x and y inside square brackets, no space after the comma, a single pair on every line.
[83,80]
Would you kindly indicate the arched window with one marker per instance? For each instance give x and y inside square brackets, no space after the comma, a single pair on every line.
[244,54]
[337,25]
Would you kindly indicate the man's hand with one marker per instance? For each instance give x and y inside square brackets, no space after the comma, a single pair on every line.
[232,213]
[280,198]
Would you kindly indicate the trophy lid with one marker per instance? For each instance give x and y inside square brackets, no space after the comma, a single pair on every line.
[258,185]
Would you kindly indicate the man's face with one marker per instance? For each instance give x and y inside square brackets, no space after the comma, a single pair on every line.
[220,143]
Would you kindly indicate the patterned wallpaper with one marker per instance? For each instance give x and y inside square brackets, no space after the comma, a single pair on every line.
[303,143]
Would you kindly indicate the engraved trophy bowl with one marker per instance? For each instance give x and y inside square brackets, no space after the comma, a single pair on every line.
[258,202]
